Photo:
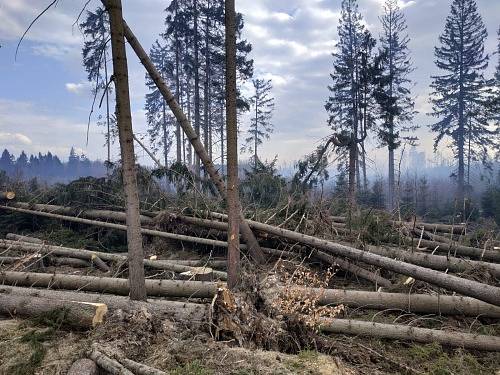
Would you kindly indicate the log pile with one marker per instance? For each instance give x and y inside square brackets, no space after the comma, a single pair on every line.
[431,254]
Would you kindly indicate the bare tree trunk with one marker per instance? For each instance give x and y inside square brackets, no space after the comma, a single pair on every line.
[402,332]
[196,89]
[353,148]
[233,236]
[108,140]
[124,116]
[177,95]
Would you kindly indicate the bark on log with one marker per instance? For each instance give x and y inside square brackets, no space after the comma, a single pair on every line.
[110,365]
[402,332]
[483,292]
[72,262]
[167,288]
[436,262]
[71,211]
[89,255]
[415,303]
[163,309]
[194,139]
[352,268]
[7,195]
[79,314]
[472,252]
[83,366]
[446,228]
[18,237]
[139,368]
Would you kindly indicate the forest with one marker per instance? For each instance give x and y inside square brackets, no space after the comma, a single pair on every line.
[188,250]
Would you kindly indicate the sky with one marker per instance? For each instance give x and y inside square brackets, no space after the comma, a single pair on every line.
[45,98]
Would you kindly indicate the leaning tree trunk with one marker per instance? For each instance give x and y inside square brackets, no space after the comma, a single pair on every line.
[233,238]
[125,134]
[253,245]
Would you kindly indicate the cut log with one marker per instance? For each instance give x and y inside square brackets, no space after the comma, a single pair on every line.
[402,332]
[79,314]
[472,252]
[7,195]
[18,237]
[414,303]
[198,274]
[110,365]
[483,292]
[170,288]
[163,309]
[436,262]
[90,255]
[83,366]
[446,228]
[72,262]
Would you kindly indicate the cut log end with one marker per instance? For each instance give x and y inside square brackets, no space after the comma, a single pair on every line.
[7,195]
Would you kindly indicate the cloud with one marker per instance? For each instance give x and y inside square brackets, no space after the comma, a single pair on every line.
[15,139]
[78,88]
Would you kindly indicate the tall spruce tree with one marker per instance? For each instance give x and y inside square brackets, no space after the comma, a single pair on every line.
[344,105]
[459,96]
[260,126]
[393,95]
[160,120]
[95,53]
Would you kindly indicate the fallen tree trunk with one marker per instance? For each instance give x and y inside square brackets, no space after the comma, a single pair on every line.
[414,303]
[167,288]
[446,228]
[89,214]
[436,262]
[472,252]
[402,332]
[84,366]
[139,368]
[90,255]
[352,268]
[78,314]
[185,311]
[466,287]
[106,363]
[72,262]
[18,237]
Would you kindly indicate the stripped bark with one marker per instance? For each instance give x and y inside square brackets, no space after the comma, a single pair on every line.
[436,262]
[78,314]
[483,292]
[253,245]
[91,255]
[402,332]
[183,311]
[414,303]
[170,288]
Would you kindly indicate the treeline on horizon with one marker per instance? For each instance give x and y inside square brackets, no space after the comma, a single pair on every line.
[49,167]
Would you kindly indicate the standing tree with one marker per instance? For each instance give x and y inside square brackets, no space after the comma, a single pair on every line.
[260,127]
[159,121]
[233,235]
[393,94]
[124,116]
[460,97]
[95,60]
[344,104]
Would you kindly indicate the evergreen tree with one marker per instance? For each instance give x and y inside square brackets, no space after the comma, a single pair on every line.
[344,105]
[95,53]
[260,126]
[396,106]
[459,98]
[6,161]
[159,119]
[377,194]
[22,162]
